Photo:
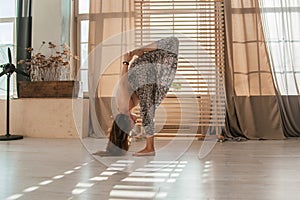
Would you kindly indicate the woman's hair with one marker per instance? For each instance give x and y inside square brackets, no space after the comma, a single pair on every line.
[118,136]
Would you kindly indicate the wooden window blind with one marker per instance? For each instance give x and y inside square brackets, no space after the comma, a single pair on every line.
[196,101]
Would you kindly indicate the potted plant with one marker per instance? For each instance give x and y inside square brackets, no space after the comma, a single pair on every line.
[50,74]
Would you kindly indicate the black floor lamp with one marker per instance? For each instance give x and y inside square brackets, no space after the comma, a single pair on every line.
[8,70]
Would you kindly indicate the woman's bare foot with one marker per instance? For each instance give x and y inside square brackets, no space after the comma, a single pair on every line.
[145,152]
[148,150]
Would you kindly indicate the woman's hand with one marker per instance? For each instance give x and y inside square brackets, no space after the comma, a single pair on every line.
[128,56]
[133,117]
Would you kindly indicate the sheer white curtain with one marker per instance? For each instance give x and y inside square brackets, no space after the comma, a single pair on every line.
[281,22]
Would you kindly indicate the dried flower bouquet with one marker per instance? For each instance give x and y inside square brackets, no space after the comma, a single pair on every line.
[54,67]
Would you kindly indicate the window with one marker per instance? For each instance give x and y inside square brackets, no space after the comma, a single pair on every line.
[282,33]
[82,8]
[199,25]
[7,38]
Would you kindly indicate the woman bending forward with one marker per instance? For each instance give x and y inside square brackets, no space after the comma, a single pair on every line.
[146,77]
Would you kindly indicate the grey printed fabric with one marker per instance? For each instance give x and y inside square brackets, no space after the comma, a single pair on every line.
[150,77]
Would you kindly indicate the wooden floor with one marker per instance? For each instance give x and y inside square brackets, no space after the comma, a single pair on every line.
[55,169]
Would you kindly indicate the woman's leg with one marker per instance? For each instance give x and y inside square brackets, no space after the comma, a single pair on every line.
[147,97]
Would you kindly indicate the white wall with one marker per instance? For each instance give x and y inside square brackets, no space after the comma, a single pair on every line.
[46,22]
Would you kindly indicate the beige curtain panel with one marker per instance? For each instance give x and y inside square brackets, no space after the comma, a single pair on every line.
[252,107]
[109,38]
